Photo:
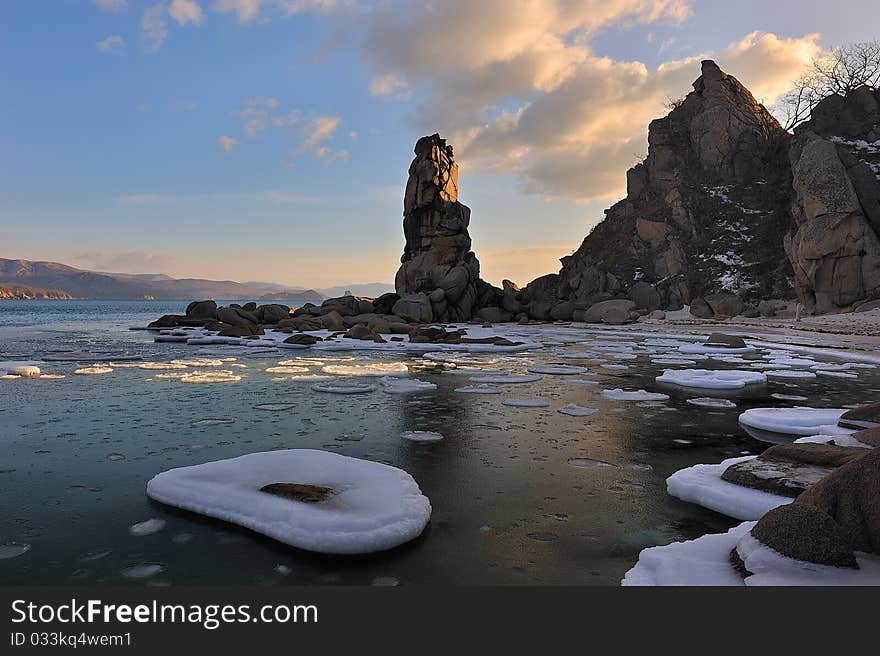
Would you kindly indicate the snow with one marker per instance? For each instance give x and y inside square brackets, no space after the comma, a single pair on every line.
[368,369]
[344,387]
[710,379]
[715,404]
[421,436]
[505,379]
[148,527]
[575,410]
[525,403]
[673,361]
[287,370]
[701,562]
[93,370]
[792,421]
[374,507]
[789,373]
[209,377]
[640,395]
[24,371]
[558,370]
[158,366]
[703,485]
[769,567]
[836,374]
[838,440]
[199,362]
[458,358]
[394,385]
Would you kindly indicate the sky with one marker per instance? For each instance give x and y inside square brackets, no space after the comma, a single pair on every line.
[270,139]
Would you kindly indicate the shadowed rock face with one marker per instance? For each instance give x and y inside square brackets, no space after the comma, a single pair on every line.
[439,277]
[834,246]
[703,212]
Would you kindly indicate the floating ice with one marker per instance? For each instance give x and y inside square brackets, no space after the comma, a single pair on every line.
[703,485]
[706,349]
[836,374]
[275,407]
[458,358]
[208,377]
[199,362]
[24,371]
[368,369]
[93,371]
[589,463]
[574,410]
[639,395]
[147,528]
[558,370]
[506,379]
[577,355]
[525,403]
[712,379]
[370,507]
[143,571]
[792,421]
[13,550]
[157,366]
[581,381]
[51,376]
[305,362]
[789,373]
[793,362]
[394,385]
[479,389]
[838,440]
[787,397]
[421,436]
[615,367]
[716,404]
[287,370]
[673,361]
[701,562]
[344,387]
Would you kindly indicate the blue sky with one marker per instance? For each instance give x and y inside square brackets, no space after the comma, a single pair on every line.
[270,140]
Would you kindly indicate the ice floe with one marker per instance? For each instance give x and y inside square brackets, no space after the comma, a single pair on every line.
[24,371]
[506,379]
[157,366]
[714,404]
[421,436]
[787,397]
[703,485]
[368,369]
[574,410]
[712,379]
[707,349]
[344,387]
[395,385]
[147,527]
[793,421]
[479,389]
[365,506]
[638,395]
[789,373]
[558,370]
[208,377]
[287,370]
[93,370]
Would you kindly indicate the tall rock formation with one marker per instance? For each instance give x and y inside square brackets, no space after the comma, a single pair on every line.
[703,215]
[835,161]
[439,277]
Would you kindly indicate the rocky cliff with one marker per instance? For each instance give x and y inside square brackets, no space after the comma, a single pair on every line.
[703,216]
[439,277]
[835,162]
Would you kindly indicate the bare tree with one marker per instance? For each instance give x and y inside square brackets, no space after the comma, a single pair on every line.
[841,71]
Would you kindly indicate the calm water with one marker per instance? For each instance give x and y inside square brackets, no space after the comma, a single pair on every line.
[509,507]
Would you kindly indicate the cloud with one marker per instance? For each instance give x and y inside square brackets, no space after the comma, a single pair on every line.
[154,27]
[111,6]
[226,143]
[256,115]
[112,45]
[185,11]
[245,10]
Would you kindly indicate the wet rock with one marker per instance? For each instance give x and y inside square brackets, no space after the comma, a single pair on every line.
[202,310]
[302,339]
[234,316]
[272,313]
[865,416]
[245,330]
[332,321]
[805,533]
[614,312]
[166,321]
[730,341]
[870,437]
[385,303]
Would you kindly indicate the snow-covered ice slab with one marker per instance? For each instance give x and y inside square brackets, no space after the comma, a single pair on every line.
[793,421]
[458,358]
[479,389]
[574,410]
[703,485]
[395,385]
[24,371]
[712,404]
[838,440]
[707,349]
[638,395]
[789,373]
[93,370]
[712,379]
[558,370]
[344,387]
[701,562]
[368,369]
[370,507]
[423,437]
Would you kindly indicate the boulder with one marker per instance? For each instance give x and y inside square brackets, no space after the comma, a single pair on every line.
[302,339]
[385,303]
[729,341]
[415,308]
[611,312]
[494,315]
[347,305]
[332,321]
[248,330]
[166,321]
[750,312]
[869,437]
[272,313]
[360,332]
[236,316]
[249,307]
[645,296]
[202,310]
[562,311]
[865,416]
[700,308]
[725,304]
[767,309]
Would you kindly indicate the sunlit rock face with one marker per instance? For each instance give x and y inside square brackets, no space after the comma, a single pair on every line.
[834,246]
[705,213]
[439,277]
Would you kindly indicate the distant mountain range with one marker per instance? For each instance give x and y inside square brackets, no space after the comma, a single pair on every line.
[30,279]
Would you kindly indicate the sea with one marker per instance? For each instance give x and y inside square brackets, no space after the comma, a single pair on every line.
[520,496]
